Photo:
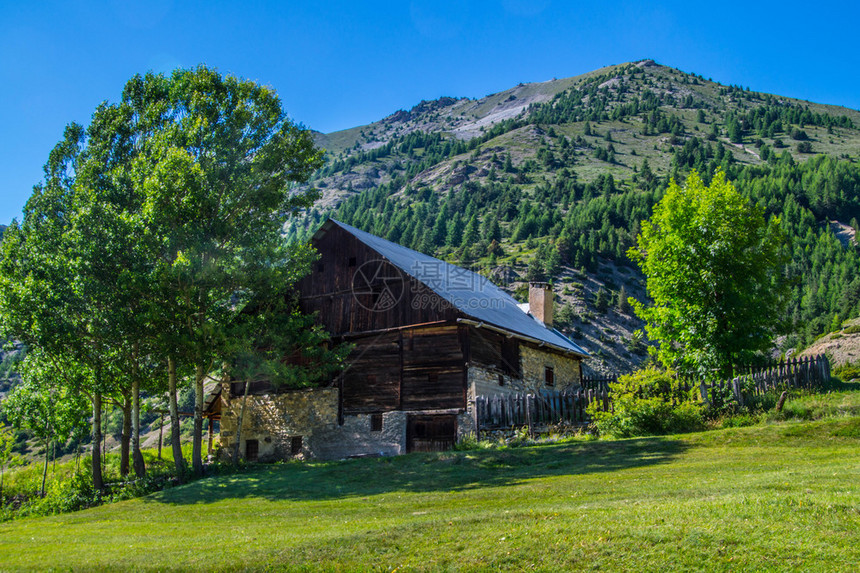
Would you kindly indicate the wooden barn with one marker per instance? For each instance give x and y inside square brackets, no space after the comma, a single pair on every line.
[428,337]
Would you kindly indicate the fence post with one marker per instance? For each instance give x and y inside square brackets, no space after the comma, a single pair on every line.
[736,389]
[529,415]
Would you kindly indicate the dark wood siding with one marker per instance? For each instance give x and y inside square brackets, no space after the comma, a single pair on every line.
[495,351]
[432,369]
[371,381]
[408,369]
[408,348]
[355,291]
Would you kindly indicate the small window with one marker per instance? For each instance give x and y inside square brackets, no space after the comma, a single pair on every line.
[295,445]
[252,450]
[501,380]
[352,261]
[549,376]
[376,422]
[320,267]
[371,379]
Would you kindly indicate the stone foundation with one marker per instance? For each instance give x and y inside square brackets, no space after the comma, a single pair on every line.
[275,421]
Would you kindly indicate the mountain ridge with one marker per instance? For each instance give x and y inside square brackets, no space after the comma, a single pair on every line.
[568,168]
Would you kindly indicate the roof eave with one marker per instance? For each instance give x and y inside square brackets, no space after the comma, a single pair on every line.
[508,332]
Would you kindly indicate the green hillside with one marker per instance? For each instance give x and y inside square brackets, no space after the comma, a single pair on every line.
[780,496]
[551,181]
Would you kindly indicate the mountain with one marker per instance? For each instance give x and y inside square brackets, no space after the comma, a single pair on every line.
[552,179]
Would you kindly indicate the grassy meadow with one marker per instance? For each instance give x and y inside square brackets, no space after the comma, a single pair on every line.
[778,495]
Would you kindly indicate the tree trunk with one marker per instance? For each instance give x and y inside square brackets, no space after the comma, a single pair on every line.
[197,447]
[45,470]
[105,420]
[137,457]
[239,425]
[178,460]
[126,436]
[98,481]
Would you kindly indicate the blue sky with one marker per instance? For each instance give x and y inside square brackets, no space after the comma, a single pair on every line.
[341,64]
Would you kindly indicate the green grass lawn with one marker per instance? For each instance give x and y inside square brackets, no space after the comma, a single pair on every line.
[783,496]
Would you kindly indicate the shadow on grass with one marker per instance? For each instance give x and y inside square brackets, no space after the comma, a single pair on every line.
[446,471]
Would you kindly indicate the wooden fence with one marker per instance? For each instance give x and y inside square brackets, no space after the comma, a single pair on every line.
[506,411]
[810,373]
[599,383]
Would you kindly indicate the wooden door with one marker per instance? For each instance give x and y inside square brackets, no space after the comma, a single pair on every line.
[430,433]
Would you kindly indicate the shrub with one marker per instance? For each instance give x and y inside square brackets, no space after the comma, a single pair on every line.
[804,147]
[644,403]
[739,421]
[847,372]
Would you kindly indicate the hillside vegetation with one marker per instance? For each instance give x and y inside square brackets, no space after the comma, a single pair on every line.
[776,496]
[552,180]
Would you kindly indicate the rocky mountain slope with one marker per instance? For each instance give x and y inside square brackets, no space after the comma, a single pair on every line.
[550,180]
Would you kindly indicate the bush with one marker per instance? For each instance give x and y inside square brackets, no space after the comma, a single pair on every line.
[643,405]
[847,372]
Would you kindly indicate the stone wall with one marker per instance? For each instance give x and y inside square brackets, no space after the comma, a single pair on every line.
[484,381]
[534,361]
[274,420]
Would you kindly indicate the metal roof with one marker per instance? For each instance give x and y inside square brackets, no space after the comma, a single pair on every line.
[472,294]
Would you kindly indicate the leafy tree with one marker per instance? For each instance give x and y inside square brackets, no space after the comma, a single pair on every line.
[42,404]
[154,229]
[7,440]
[714,271]
[211,191]
[46,300]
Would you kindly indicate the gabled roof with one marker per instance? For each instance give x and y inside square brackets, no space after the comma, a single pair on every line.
[472,294]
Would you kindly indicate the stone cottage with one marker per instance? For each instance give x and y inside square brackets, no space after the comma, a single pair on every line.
[428,337]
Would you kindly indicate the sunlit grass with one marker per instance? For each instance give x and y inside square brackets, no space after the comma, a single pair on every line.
[779,496]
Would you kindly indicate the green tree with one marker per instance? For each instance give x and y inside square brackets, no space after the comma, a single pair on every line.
[601,300]
[714,271]
[46,300]
[7,440]
[734,130]
[470,233]
[43,405]
[622,305]
[213,185]
[154,229]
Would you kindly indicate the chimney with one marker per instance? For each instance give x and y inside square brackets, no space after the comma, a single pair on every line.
[540,302]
